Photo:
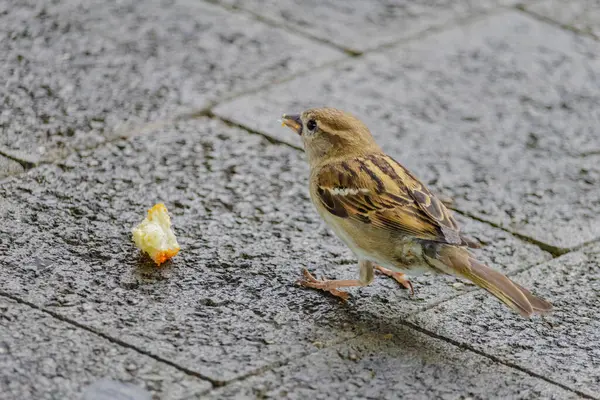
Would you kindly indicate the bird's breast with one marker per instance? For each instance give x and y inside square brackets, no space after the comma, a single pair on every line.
[387,248]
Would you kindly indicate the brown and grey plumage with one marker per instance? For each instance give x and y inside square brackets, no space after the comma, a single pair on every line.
[387,217]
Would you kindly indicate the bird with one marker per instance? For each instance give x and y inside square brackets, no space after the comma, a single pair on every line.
[389,219]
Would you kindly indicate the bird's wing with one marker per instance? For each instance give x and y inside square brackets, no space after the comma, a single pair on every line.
[379,191]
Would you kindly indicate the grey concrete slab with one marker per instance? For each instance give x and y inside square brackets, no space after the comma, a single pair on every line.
[227,304]
[363,25]
[42,357]
[581,15]
[563,346]
[9,167]
[74,72]
[501,114]
[404,364]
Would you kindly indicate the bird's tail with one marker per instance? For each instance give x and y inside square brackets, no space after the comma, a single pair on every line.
[459,262]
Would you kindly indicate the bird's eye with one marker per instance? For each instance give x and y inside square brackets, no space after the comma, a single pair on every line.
[311,125]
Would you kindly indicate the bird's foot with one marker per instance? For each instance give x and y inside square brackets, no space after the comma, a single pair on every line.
[328,286]
[398,276]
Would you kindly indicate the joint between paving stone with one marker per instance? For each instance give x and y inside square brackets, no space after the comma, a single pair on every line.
[140,130]
[27,165]
[455,23]
[495,359]
[268,21]
[269,138]
[523,9]
[275,82]
[111,339]
[123,135]
[280,363]
[553,250]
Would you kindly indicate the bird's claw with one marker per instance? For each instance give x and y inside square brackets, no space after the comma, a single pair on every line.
[311,282]
[398,277]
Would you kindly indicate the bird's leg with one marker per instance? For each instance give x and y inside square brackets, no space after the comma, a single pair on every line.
[366,277]
[398,276]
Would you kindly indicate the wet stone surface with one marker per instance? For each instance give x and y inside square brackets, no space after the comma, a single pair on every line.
[359,25]
[227,304]
[74,72]
[403,364]
[563,346]
[501,115]
[42,357]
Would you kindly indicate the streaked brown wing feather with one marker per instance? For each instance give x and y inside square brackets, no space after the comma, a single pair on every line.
[379,191]
[424,199]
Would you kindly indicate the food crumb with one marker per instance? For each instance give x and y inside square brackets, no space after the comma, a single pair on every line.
[154,235]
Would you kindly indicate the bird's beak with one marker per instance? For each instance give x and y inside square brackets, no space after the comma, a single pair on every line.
[293,122]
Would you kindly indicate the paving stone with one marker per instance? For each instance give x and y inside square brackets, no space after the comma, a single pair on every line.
[582,15]
[9,167]
[358,25]
[563,346]
[501,115]
[227,303]
[74,72]
[404,364]
[42,357]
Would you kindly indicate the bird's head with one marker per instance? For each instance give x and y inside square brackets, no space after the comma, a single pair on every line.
[329,134]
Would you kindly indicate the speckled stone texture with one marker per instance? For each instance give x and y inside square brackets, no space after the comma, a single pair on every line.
[74,72]
[227,305]
[502,115]
[562,346]
[42,357]
[359,25]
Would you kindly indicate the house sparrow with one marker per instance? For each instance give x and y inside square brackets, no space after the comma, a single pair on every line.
[387,217]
